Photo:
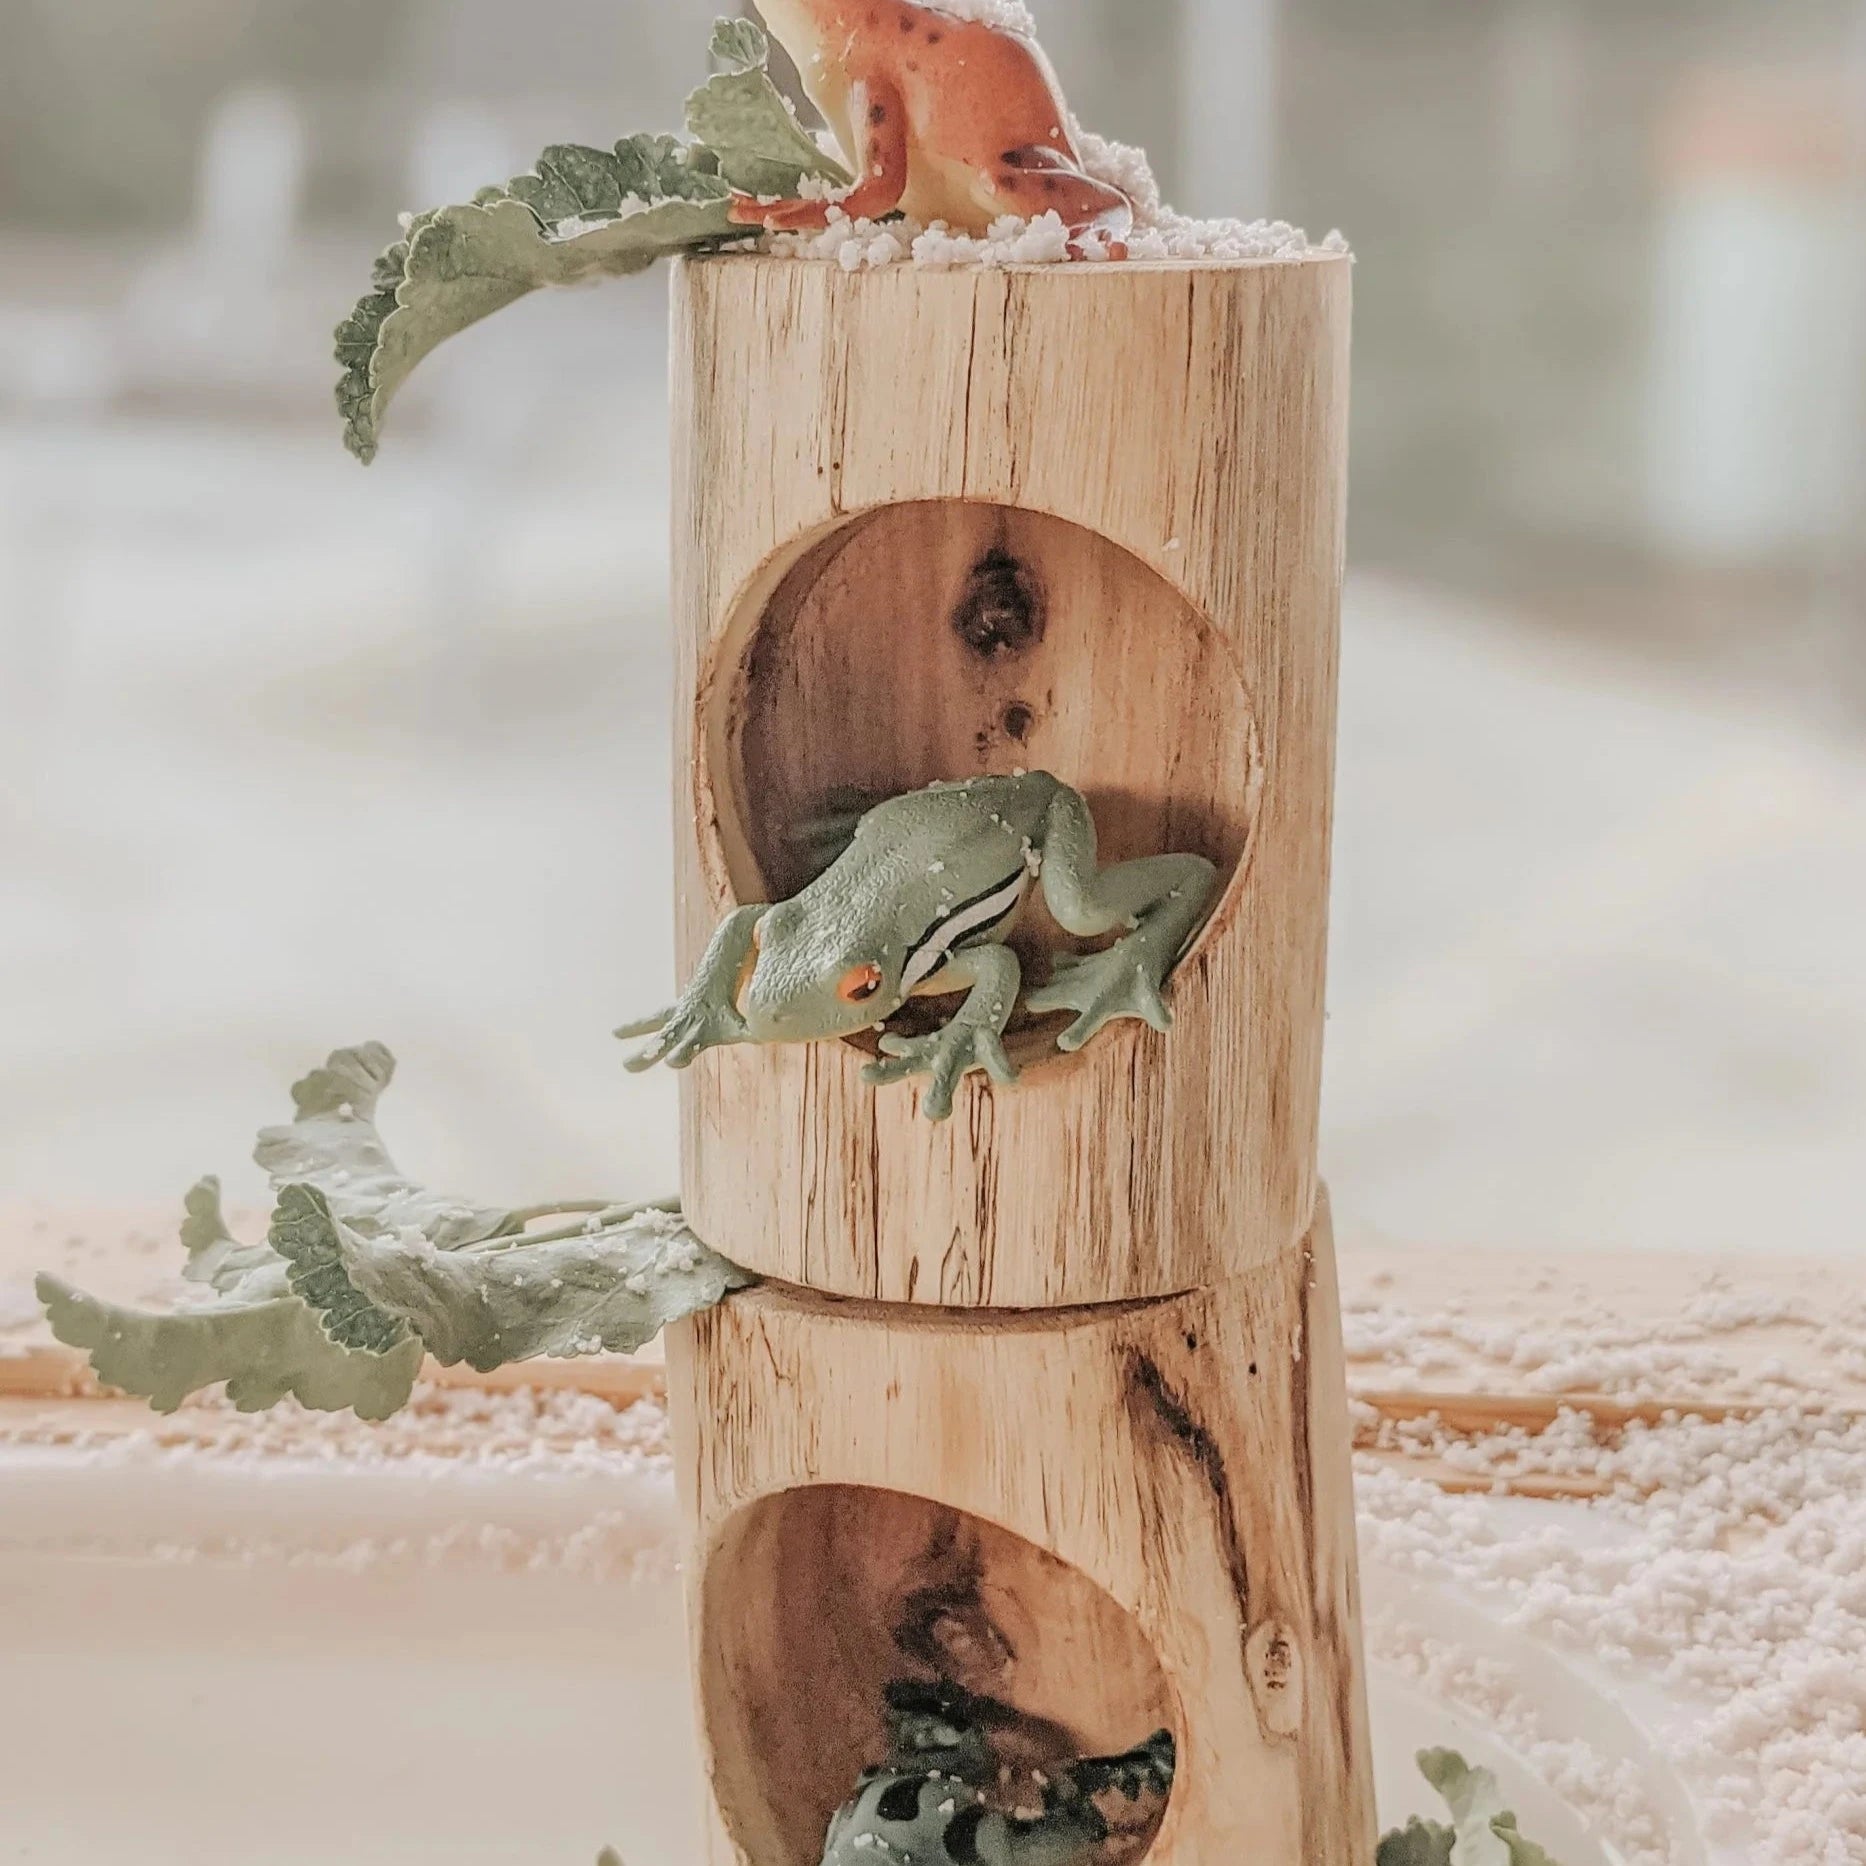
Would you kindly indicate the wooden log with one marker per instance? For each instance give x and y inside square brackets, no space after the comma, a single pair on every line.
[1110,1518]
[1047,1400]
[1081,518]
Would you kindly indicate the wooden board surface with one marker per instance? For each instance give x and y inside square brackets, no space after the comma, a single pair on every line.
[1428,1327]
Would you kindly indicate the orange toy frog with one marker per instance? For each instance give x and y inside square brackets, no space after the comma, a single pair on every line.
[942,118]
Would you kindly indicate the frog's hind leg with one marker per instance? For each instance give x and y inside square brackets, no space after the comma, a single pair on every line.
[879,115]
[1161,901]
[1040,180]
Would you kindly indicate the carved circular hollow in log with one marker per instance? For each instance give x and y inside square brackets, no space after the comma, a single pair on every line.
[944,638]
[816,1599]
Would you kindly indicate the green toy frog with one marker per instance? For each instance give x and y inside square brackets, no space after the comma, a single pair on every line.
[919,904]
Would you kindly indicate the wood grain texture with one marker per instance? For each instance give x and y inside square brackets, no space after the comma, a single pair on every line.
[1158,452]
[1093,1504]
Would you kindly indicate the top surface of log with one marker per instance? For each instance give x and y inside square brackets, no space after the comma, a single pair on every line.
[1076,271]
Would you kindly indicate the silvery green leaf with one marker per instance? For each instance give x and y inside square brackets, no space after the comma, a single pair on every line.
[749,126]
[215,1256]
[739,44]
[305,1232]
[1418,1843]
[1486,1829]
[580,214]
[363,1269]
[264,1351]
[609,1288]
[332,1144]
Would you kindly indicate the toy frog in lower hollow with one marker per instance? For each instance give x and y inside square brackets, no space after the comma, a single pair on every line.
[918,905]
[948,119]
[927,1805]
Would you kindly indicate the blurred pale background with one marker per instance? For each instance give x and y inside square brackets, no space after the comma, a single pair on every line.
[292,754]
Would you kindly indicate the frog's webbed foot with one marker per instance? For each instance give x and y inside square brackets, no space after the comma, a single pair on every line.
[1123,981]
[680,1033]
[974,1039]
[785,216]
[946,1057]
[706,1013]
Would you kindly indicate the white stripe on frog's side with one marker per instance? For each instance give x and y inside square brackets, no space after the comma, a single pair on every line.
[978,915]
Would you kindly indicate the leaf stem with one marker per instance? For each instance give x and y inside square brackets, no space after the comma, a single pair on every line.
[594,1208]
[528,1214]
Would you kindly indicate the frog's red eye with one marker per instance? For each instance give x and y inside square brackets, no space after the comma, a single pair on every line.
[862,982]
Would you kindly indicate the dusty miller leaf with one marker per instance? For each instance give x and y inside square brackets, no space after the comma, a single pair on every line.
[363,1269]
[581,213]
[464,263]
[215,1256]
[1486,1829]
[1418,1843]
[743,119]
[739,44]
[264,1351]
[304,1231]
[607,1289]
[332,1144]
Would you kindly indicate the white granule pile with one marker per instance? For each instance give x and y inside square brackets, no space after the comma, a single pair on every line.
[444,1459]
[1159,232]
[1581,1344]
[1006,15]
[1728,1564]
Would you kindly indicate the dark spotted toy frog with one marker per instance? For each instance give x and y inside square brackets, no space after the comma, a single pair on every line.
[927,1805]
[919,904]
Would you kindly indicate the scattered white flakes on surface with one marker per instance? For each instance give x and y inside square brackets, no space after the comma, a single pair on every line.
[858,245]
[822,187]
[555,1430]
[1006,15]
[1609,1795]
[1733,1573]
[421,1489]
[1588,1347]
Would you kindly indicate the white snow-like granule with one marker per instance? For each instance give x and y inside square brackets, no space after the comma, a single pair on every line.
[436,1459]
[1581,1343]
[1006,15]
[525,1428]
[1732,1571]
[859,245]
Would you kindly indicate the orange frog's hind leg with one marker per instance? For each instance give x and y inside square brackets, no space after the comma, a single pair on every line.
[879,118]
[1042,180]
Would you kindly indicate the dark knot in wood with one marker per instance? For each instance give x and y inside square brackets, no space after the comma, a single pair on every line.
[1001,611]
